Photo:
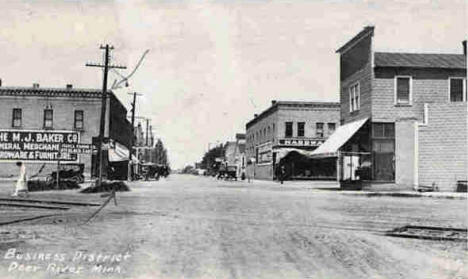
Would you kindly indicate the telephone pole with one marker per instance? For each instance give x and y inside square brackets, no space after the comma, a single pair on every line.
[147,130]
[102,123]
[130,172]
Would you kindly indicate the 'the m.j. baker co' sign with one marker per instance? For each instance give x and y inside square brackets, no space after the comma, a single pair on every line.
[36,145]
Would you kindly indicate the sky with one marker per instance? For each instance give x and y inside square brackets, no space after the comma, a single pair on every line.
[211,65]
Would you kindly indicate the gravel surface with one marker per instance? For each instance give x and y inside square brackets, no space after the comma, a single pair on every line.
[198,227]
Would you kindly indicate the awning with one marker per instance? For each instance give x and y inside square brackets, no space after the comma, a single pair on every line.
[342,134]
[118,153]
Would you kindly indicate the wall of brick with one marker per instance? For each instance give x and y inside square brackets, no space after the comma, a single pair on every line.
[442,147]
[275,124]
[428,86]
[308,115]
[63,119]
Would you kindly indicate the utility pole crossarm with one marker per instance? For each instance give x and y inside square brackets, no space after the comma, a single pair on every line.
[103,66]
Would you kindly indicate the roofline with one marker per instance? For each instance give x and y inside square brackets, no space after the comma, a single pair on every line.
[418,67]
[368,30]
[52,91]
[274,107]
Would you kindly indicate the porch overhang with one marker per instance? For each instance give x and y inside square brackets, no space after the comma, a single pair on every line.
[331,147]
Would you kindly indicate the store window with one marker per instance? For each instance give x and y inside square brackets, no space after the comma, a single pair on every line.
[319,129]
[331,128]
[288,133]
[300,129]
[17,118]
[354,98]
[457,91]
[48,118]
[403,90]
[79,116]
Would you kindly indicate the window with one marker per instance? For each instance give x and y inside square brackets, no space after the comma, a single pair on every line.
[288,129]
[403,90]
[331,128]
[48,117]
[78,119]
[354,98]
[17,117]
[456,86]
[319,129]
[300,129]
[383,130]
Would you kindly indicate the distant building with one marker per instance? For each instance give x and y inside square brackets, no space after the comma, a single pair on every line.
[234,154]
[65,109]
[287,126]
[404,117]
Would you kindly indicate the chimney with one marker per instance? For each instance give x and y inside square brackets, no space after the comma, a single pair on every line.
[0,82]
[464,47]
[36,85]
[255,115]
[273,102]
[69,86]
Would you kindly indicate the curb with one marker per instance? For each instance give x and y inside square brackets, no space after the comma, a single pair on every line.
[457,196]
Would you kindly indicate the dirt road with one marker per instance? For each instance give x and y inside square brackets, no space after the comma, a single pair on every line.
[196,227]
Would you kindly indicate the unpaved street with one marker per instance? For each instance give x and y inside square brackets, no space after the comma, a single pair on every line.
[198,227]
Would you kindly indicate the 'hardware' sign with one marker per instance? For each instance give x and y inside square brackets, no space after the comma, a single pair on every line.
[36,145]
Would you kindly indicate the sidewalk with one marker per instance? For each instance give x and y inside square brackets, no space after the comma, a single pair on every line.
[333,186]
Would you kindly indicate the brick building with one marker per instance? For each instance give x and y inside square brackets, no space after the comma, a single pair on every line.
[403,115]
[65,109]
[286,127]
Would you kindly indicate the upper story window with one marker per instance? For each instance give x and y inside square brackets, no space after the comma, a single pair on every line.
[354,97]
[457,89]
[319,129]
[331,128]
[79,116]
[403,90]
[48,118]
[16,118]
[300,129]
[288,132]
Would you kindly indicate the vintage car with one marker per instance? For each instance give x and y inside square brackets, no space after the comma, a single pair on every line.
[72,172]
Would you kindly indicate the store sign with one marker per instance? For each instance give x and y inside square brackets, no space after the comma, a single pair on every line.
[77,148]
[300,142]
[265,154]
[36,145]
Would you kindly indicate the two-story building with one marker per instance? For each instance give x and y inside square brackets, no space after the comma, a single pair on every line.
[68,110]
[403,116]
[234,154]
[285,127]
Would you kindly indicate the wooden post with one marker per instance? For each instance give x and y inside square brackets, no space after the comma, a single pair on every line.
[58,170]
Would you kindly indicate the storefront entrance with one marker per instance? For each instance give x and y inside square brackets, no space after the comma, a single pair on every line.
[383,151]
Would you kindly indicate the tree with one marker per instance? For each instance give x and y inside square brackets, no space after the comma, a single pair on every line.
[160,153]
[210,156]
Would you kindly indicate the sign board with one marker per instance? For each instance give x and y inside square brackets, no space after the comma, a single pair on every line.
[41,146]
[264,153]
[301,142]
[77,148]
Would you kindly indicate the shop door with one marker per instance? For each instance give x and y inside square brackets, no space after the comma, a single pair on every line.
[384,159]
